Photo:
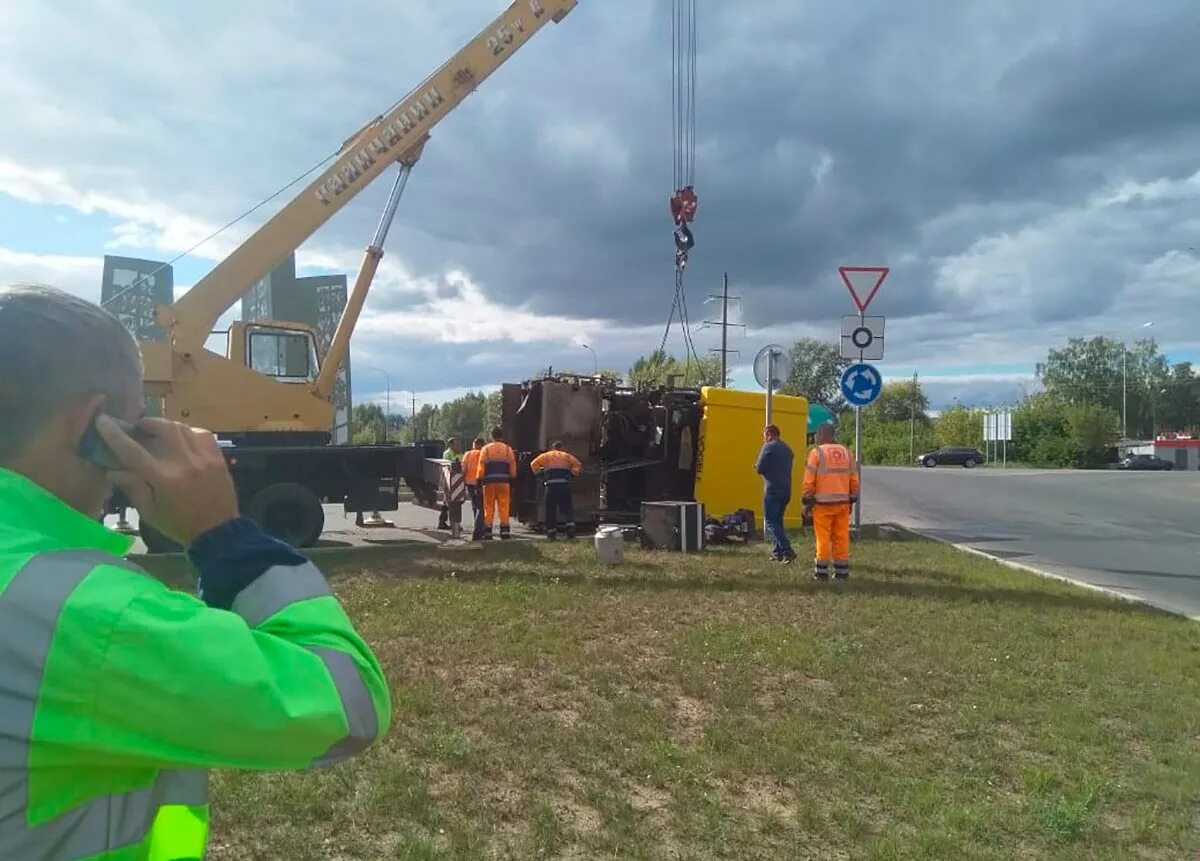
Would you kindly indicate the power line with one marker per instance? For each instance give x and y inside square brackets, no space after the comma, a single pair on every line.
[725,326]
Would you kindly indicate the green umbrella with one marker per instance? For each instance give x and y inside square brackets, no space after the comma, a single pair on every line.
[819,415]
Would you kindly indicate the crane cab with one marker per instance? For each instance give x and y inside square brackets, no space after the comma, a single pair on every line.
[286,352]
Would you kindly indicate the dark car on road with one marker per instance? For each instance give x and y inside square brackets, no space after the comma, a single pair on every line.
[952,456]
[1145,461]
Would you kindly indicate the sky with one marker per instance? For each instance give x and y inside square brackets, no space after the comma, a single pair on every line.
[1029,171]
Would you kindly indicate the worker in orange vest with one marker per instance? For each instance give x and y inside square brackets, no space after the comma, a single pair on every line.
[497,468]
[470,468]
[830,491]
[558,469]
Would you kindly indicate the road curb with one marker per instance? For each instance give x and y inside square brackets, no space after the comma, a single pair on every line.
[1041,572]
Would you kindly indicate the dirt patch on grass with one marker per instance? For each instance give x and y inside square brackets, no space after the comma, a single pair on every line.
[688,718]
[765,796]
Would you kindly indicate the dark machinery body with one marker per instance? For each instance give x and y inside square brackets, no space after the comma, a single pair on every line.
[636,445]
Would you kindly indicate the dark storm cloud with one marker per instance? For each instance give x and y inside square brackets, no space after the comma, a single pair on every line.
[959,105]
[962,142]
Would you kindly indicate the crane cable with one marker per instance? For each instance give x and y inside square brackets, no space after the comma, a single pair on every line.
[145,278]
[683,132]
[683,81]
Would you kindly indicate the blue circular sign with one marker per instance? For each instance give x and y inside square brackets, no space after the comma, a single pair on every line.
[861,384]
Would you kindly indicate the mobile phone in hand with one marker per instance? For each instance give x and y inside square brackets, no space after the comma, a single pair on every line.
[94,449]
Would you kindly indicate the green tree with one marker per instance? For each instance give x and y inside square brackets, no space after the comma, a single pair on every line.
[462,417]
[1178,402]
[900,401]
[366,424]
[1093,430]
[816,373]
[1108,372]
[1040,434]
[493,413]
[426,424]
[959,426]
[654,370]
[886,441]
[889,434]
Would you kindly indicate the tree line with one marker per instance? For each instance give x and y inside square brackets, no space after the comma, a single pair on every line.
[473,415]
[476,413]
[1075,420]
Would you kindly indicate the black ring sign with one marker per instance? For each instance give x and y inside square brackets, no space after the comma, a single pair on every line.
[861,337]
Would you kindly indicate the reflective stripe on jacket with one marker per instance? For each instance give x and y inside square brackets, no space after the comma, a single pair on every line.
[831,476]
[119,692]
[496,463]
[556,467]
[470,466]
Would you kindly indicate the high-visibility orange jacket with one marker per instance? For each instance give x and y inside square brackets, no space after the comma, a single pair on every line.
[470,466]
[831,476]
[496,463]
[556,467]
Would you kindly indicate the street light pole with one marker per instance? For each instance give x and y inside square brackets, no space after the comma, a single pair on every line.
[1124,393]
[1125,385]
[595,363]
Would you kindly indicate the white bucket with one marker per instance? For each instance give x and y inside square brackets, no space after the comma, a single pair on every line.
[610,545]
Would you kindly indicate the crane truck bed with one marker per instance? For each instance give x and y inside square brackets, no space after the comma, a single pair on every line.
[283,488]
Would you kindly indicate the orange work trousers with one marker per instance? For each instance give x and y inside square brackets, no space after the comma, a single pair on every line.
[831,526]
[496,494]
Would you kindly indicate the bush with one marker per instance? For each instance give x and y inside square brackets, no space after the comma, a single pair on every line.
[886,442]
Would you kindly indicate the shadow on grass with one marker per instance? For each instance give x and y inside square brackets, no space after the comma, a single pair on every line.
[513,561]
[908,572]
[947,588]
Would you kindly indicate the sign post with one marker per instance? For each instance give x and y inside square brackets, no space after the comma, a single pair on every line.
[770,381]
[772,367]
[861,383]
[997,431]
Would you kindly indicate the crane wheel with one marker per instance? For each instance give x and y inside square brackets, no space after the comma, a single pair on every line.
[155,541]
[290,512]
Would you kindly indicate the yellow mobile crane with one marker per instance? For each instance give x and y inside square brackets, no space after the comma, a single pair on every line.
[268,397]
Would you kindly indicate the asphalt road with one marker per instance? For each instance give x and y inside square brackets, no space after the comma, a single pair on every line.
[1136,533]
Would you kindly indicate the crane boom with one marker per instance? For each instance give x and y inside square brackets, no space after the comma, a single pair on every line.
[191,319]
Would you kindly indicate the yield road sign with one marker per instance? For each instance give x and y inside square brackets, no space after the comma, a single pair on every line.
[863,281]
[862,338]
[861,384]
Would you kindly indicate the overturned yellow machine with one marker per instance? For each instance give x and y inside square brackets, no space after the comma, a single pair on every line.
[647,445]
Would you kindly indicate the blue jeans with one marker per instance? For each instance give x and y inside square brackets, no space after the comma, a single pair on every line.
[773,509]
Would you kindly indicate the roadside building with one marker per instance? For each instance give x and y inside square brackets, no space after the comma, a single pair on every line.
[1182,450]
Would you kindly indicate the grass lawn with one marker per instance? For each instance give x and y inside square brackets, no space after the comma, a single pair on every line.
[936,706]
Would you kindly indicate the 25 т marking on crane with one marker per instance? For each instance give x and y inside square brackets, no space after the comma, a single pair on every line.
[503,37]
[411,123]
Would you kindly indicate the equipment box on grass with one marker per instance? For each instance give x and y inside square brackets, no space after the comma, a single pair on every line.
[673,526]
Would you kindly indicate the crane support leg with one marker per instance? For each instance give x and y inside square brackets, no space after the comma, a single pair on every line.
[339,347]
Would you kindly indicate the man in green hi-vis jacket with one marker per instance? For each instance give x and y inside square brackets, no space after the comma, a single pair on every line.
[116,692]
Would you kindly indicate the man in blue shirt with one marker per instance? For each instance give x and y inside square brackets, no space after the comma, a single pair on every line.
[775,466]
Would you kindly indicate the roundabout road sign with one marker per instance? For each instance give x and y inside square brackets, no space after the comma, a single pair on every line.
[862,338]
[861,384]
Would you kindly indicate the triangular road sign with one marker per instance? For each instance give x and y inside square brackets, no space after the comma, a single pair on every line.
[863,281]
